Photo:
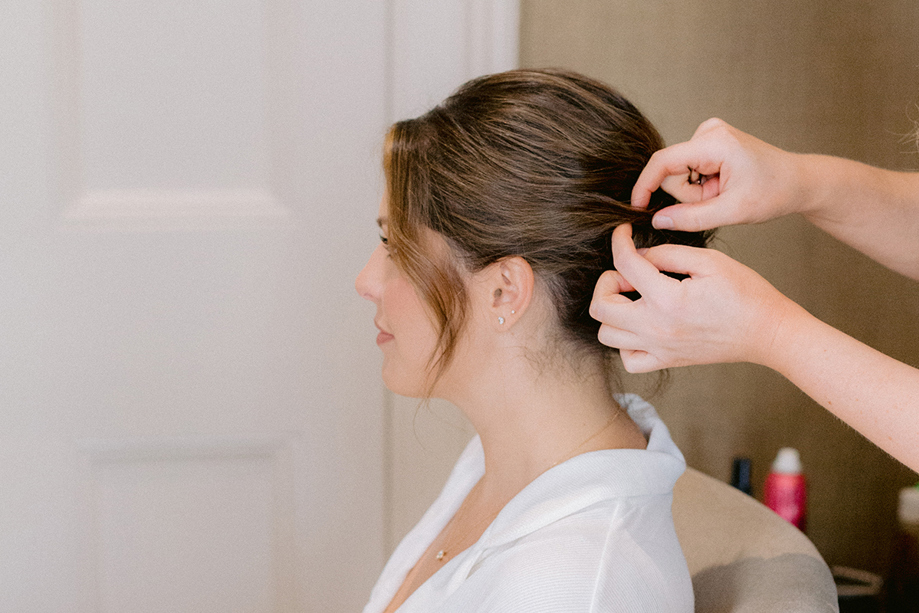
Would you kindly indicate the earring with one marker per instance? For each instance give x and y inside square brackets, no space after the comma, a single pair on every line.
[513,311]
[501,321]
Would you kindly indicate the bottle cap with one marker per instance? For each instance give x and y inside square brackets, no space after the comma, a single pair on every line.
[787,462]
[908,509]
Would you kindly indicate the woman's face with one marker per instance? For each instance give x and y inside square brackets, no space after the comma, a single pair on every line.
[408,336]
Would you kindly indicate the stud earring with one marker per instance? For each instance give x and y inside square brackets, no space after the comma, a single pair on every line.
[512,312]
[501,321]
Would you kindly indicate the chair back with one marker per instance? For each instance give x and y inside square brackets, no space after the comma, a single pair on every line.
[744,558]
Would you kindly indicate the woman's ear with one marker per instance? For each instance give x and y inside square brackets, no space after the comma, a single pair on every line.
[511,283]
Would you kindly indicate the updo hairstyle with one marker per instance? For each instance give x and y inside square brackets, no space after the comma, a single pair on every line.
[532,163]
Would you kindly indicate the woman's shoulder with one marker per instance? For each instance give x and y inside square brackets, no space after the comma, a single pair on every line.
[589,561]
[620,553]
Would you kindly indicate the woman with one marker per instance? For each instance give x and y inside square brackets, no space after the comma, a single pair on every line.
[494,230]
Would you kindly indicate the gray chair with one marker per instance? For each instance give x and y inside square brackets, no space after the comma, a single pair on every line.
[744,558]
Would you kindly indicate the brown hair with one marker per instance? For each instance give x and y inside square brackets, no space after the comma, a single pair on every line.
[532,163]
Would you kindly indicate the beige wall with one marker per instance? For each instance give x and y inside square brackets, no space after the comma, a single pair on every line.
[831,76]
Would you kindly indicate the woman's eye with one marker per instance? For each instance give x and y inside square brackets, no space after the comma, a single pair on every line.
[386,246]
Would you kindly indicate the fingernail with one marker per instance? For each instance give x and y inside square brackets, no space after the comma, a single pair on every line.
[662,222]
[642,251]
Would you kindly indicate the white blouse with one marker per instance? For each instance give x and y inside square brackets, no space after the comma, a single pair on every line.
[592,534]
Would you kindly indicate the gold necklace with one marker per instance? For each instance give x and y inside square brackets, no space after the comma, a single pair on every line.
[442,553]
[488,517]
[574,451]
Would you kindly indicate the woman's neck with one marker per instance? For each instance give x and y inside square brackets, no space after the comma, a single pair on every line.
[530,420]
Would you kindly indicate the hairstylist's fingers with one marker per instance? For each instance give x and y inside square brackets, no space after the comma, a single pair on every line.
[638,361]
[612,336]
[675,161]
[680,187]
[608,305]
[692,189]
[710,125]
[695,216]
[692,261]
[612,284]
[619,315]
[622,323]
[607,297]
[635,269]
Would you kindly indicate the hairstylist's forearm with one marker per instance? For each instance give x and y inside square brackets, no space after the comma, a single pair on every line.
[873,393]
[873,210]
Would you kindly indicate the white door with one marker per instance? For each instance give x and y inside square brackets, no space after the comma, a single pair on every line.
[191,417]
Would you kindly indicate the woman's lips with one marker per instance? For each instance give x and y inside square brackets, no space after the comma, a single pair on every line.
[383,336]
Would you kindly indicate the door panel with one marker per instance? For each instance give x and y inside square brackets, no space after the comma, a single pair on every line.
[191,415]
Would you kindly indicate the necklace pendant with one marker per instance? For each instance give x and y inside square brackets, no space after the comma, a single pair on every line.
[440,555]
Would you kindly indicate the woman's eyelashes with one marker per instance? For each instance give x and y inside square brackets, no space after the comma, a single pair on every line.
[385,242]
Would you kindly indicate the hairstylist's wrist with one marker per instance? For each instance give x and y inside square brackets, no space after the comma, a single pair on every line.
[805,184]
[784,332]
[828,186]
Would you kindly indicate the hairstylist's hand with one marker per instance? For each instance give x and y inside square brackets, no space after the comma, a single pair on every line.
[743,180]
[723,312]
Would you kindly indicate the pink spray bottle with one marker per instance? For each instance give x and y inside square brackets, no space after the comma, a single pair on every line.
[785,491]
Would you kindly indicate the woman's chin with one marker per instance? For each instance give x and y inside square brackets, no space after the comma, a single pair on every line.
[400,385]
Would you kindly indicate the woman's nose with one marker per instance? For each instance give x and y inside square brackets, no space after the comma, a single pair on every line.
[368,279]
